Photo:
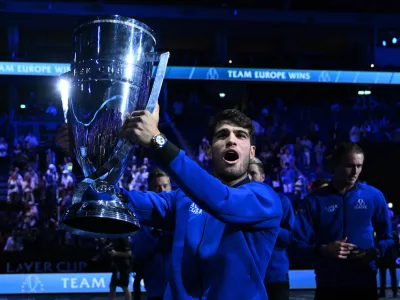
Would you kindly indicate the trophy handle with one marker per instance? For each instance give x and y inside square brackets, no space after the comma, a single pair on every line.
[106,175]
[158,81]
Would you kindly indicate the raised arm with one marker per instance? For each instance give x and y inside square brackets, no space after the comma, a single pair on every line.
[153,209]
[253,204]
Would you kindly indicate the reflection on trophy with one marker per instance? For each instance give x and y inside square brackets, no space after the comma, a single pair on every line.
[109,79]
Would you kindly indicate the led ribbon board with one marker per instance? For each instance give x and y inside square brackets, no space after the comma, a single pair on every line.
[226,74]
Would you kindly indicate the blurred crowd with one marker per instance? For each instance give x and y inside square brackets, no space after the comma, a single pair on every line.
[37,198]
[293,143]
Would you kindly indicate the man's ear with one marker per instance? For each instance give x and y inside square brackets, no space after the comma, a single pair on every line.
[252,152]
[209,152]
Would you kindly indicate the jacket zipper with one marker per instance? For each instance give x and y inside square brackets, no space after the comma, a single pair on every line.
[198,261]
[344,235]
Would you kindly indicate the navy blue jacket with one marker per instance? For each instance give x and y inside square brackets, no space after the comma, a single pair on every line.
[152,252]
[328,216]
[223,236]
[278,267]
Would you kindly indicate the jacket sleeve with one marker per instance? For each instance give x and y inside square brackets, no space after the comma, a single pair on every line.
[152,209]
[287,224]
[383,225]
[252,205]
[303,245]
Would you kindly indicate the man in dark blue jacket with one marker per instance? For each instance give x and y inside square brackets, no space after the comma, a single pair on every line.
[151,248]
[335,230]
[277,276]
[225,226]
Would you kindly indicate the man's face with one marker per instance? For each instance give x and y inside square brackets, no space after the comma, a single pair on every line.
[255,173]
[231,151]
[162,184]
[349,168]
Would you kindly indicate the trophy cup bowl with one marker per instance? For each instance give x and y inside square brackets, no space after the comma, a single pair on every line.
[109,79]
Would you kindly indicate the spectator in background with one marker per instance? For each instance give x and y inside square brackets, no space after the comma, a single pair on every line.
[14,243]
[14,188]
[29,216]
[287,157]
[146,163]
[28,186]
[288,177]
[31,141]
[300,186]
[51,182]
[355,134]
[20,157]
[141,179]
[306,151]
[50,157]
[3,147]
[203,152]
[319,153]
[276,180]
[51,109]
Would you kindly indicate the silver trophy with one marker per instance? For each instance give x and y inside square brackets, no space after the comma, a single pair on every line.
[109,79]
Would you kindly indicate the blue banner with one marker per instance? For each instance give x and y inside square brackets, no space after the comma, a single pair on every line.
[79,283]
[57,283]
[229,74]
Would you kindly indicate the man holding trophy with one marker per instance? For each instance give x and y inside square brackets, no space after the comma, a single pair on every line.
[225,226]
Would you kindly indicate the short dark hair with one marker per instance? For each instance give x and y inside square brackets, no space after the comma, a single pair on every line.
[232,117]
[343,149]
[156,173]
[258,163]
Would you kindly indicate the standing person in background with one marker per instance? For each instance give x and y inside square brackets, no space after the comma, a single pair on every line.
[335,230]
[256,170]
[121,268]
[277,276]
[151,249]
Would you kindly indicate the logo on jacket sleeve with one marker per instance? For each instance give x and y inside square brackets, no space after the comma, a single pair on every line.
[195,209]
[360,204]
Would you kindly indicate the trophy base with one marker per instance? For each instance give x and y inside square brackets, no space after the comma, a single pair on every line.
[100,218]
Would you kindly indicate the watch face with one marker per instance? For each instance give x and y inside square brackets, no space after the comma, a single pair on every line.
[160,140]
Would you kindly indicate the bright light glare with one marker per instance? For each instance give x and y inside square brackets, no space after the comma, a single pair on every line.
[63,86]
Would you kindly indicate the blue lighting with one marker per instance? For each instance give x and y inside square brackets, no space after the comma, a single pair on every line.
[384,43]
[79,283]
[228,74]
[394,40]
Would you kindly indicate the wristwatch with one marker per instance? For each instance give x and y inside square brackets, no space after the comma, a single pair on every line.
[158,141]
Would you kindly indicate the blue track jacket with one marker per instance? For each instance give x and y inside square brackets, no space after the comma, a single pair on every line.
[153,253]
[223,236]
[278,267]
[328,216]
